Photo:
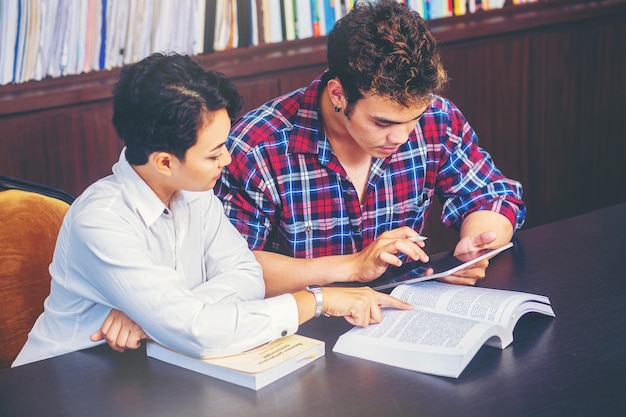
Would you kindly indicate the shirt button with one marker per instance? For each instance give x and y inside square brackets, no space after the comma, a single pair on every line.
[283,333]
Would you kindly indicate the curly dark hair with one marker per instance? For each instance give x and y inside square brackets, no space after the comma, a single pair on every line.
[386,49]
[160,103]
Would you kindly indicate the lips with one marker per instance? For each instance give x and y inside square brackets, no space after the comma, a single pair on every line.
[389,151]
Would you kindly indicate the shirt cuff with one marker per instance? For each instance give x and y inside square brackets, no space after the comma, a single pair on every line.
[284,313]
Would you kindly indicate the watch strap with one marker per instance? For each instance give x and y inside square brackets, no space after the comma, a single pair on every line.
[316,290]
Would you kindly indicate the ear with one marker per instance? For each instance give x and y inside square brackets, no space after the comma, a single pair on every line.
[163,162]
[335,92]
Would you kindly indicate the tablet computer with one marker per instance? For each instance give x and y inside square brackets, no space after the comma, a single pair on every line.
[439,265]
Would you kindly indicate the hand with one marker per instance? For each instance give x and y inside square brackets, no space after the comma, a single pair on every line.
[120,332]
[475,272]
[359,306]
[373,261]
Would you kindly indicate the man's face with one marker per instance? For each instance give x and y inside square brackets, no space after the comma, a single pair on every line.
[205,160]
[380,126]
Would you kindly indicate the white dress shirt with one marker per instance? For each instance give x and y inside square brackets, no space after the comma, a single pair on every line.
[184,274]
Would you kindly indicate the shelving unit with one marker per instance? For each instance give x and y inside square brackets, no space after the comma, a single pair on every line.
[543,85]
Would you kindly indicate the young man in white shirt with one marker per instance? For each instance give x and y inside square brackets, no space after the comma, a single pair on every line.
[148,250]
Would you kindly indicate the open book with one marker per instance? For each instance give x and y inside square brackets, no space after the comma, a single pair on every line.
[448,325]
[253,369]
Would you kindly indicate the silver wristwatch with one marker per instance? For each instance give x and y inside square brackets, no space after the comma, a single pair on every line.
[316,290]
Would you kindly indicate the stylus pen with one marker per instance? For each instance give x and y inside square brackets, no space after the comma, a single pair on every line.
[417,239]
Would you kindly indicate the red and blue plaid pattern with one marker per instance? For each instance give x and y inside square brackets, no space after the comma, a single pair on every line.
[286,191]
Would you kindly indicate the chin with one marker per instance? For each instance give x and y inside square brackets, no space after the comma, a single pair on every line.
[201,189]
[383,154]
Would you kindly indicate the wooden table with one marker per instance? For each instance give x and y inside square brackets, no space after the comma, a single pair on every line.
[573,365]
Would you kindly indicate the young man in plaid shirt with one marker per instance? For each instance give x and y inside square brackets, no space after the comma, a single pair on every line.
[329,181]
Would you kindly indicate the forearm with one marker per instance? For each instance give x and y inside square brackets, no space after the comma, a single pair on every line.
[284,274]
[488,221]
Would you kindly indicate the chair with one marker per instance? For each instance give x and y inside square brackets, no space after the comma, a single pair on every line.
[31,215]
[10,183]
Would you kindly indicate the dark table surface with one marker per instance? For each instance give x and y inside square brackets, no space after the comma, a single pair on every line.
[572,365]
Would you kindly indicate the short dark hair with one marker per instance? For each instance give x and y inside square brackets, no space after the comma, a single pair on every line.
[386,49]
[160,103]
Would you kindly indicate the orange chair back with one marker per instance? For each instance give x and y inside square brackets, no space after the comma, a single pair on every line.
[29,225]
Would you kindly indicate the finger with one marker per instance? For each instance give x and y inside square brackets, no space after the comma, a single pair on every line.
[390,259]
[484,238]
[360,315]
[135,341]
[452,279]
[97,336]
[106,325]
[412,249]
[471,274]
[404,246]
[138,336]
[480,264]
[352,318]
[376,315]
[364,317]
[474,271]
[112,335]
[122,339]
[387,300]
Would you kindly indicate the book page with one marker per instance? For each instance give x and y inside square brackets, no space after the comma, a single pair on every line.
[484,304]
[419,340]
[426,328]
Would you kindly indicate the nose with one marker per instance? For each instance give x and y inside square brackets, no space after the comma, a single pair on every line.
[399,134]
[226,159]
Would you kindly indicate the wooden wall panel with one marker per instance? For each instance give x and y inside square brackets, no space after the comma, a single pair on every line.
[257,91]
[488,82]
[578,93]
[300,78]
[66,147]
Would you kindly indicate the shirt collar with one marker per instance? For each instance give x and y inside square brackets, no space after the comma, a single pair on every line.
[305,134]
[139,194]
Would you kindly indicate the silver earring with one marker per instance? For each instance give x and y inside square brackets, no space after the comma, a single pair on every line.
[337,109]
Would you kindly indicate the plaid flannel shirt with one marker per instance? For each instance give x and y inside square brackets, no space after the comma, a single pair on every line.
[287,192]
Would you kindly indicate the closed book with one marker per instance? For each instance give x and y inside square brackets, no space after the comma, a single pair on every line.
[210,23]
[244,10]
[304,20]
[253,369]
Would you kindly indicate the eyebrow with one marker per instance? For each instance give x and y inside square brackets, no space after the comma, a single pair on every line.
[218,146]
[396,122]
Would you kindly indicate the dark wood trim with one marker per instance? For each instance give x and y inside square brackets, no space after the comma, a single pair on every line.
[522,18]
[266,58]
